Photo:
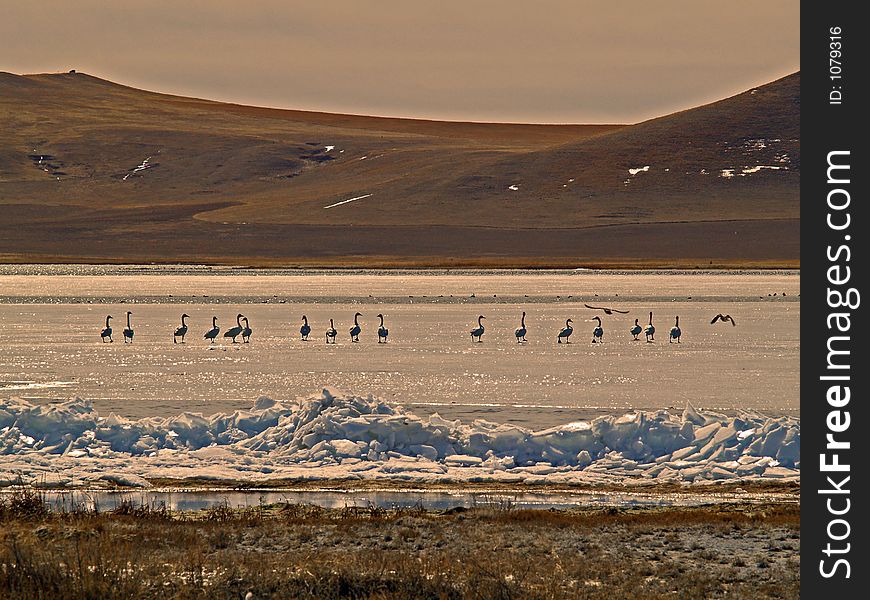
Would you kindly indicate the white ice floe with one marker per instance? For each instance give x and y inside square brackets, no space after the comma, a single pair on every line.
[334,435]
[514,187]
[348,200]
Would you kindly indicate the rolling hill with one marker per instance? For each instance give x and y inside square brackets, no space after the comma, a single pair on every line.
[93,171]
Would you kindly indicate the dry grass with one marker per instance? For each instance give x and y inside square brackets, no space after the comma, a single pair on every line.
[301,551]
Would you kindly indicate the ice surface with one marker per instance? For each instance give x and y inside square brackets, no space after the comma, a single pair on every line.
[337,434]
[50,322]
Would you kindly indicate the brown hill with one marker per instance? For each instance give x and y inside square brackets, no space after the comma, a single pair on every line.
[95,171]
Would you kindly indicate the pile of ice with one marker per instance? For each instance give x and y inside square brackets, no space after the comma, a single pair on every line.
[340,435]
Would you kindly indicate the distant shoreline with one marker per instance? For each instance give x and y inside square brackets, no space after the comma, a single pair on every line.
[417,264]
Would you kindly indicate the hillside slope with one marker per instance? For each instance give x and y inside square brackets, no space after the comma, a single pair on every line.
[92,170]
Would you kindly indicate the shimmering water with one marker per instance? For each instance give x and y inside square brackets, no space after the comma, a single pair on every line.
[186,500]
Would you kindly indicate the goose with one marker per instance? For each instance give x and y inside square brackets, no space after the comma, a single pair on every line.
[598,332]
[128,332]
[246,332]
[675,332]
[305,329]
[650,330]
[566,333]
[636,330]
[212,333]
[724,318]
[607,310]
[383,332]
[478,331]
[107,332]
[356,329]
[181,331]
[235,331]
[521,332]
[331,332]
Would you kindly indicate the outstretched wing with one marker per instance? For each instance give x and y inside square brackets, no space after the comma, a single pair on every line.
[624,312]
[730,318]
[594,307]
[716,318]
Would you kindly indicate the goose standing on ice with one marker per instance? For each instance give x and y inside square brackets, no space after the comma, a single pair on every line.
[246,332]
[356,329]
[521,332]
[331,332]
[212,333]
[675,331]
[565,333]
[598,332]
[305,329]
[181,331]
[636,330]
[478,331]
[107,332]
[235,331]
[650,330]
[383,332]
[128,332]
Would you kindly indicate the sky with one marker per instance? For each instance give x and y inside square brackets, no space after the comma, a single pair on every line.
[470,60]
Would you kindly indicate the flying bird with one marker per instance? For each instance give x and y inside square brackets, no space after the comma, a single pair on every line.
[724,318]
[607,310]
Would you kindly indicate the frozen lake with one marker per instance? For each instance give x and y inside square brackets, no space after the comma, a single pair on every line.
[51,317]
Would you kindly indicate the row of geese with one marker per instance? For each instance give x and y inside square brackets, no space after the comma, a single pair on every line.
[245,331]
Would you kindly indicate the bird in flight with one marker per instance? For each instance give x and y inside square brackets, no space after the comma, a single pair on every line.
[723,318]
[607,310]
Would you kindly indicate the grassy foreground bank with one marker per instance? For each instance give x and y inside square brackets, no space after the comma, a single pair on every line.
[302,551]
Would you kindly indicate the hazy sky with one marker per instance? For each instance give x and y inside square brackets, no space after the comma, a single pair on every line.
[532,61]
